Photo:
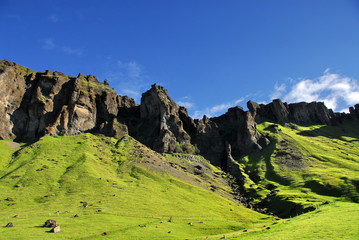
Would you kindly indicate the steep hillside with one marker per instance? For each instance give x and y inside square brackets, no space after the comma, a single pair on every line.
[303,167]
[115,186]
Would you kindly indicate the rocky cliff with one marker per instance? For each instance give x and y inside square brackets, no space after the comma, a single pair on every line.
[34,104]
[160,126]
[301,113]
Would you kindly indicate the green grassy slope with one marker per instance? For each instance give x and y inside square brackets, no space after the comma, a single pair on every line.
[338,221]
[129,191]
[303,167]
[335,221]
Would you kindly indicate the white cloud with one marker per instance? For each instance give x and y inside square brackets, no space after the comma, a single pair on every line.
[48,44]
[345,110]
[278,90]
[132,93]
[187,105]
[335,90]
[352,97]
[186,102]
[238,101]
[53,18]
[132,69]
[72,51]
[216,109]
[129,78]
[212,111]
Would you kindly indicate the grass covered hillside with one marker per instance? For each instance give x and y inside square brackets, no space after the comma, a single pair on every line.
[118,189]
[304,167]
[338,220]
[98,187]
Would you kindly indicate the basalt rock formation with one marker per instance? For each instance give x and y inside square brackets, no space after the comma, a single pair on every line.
[279,112]
[34,104]
[161,126]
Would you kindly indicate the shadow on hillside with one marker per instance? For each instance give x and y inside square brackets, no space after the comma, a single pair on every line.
[323,189]
[347,129]
[24,145]
[270,173]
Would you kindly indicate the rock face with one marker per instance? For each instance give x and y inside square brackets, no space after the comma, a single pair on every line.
[232,166]
[11,94]
[34,104]
[160,125]
[354,111]
[301,113]
[238,128]
[207,138]
[165,127]
[52,103]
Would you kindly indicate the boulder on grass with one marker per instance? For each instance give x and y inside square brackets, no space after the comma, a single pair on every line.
[55,229]
[50,223]
[10,224]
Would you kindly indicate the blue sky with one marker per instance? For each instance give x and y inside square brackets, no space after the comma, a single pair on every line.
[210,55]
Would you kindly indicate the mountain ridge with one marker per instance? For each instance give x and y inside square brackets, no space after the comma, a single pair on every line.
[52,103]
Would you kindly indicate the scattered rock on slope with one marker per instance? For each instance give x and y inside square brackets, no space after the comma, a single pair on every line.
[55,229]
[50,223]
[10,224]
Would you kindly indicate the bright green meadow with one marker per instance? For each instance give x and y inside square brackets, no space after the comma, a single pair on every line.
[307,179]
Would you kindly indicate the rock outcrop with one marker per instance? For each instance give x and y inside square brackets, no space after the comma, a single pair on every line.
[160,126]
[300,113]
[232,166]
[208,140]
[52,103]
[13,85]
[34,104]
[354,111]
[238,128]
